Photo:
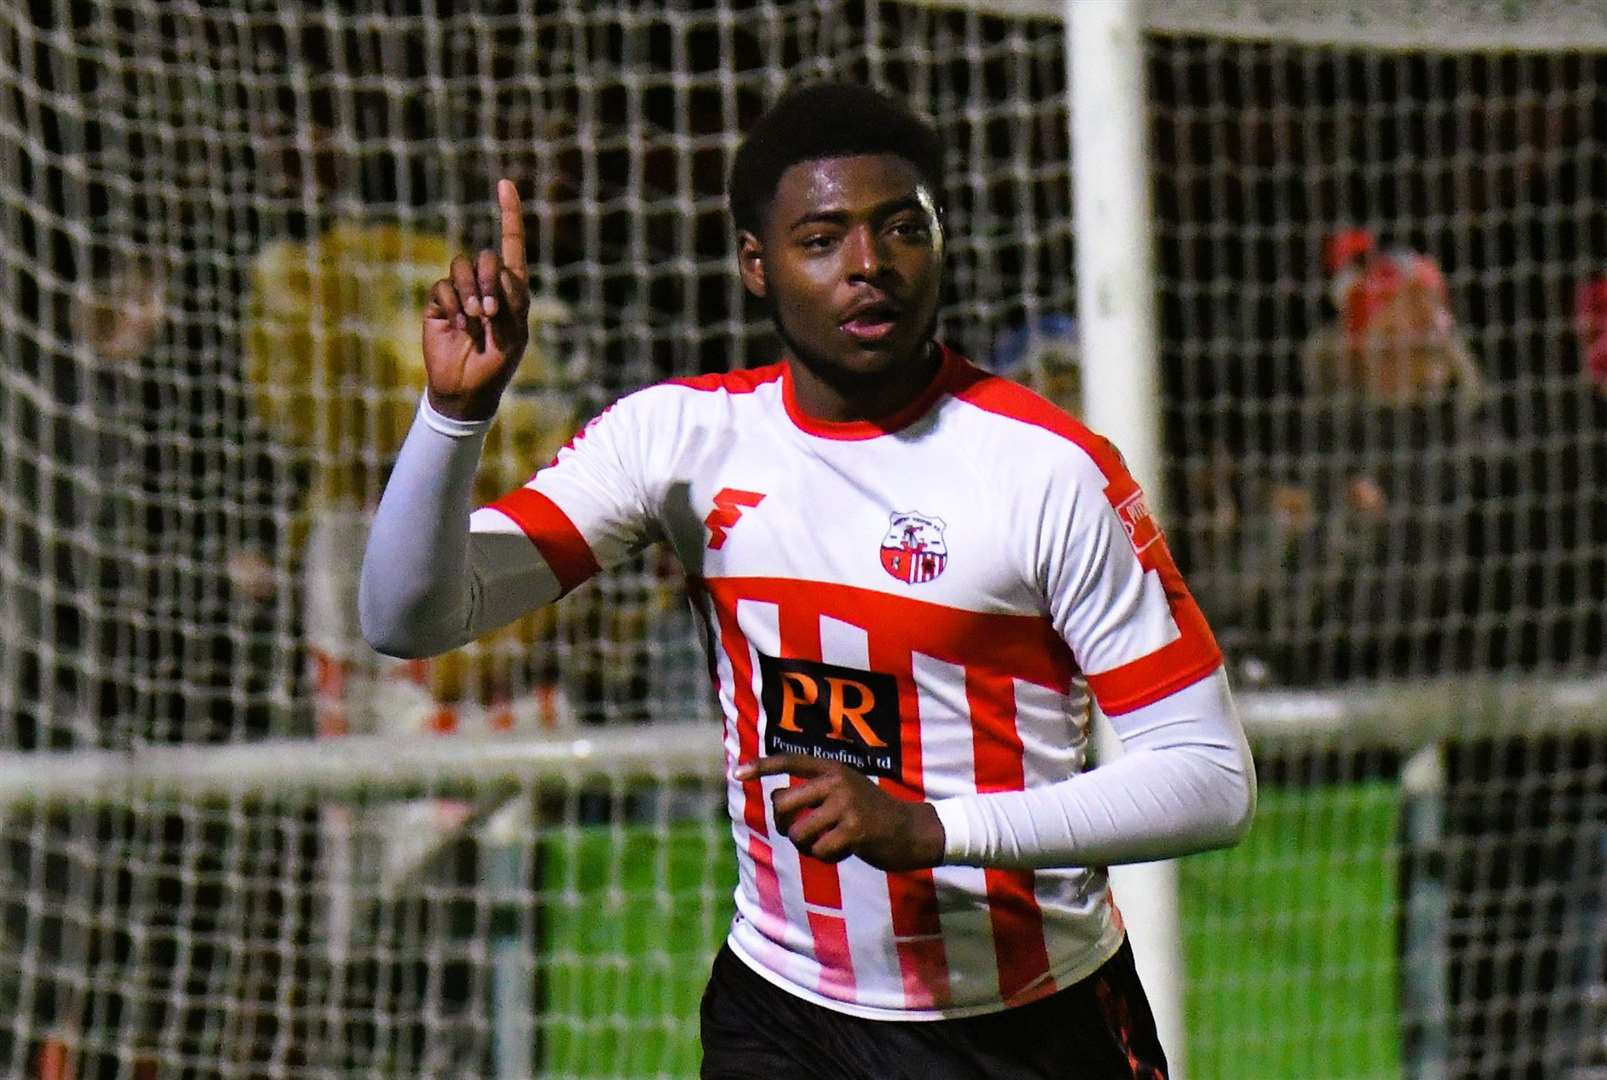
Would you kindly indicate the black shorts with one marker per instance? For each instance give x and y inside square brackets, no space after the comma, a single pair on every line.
[1098,1029]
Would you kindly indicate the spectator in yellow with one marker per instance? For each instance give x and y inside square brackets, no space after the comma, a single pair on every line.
[332,351]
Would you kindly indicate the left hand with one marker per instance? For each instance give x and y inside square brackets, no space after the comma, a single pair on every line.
[838,812]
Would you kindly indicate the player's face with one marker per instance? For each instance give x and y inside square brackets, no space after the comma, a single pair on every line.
[851,260]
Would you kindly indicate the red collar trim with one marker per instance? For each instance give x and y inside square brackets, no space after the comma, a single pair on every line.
[948,374]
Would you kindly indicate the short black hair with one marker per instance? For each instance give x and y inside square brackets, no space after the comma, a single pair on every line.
[827,120]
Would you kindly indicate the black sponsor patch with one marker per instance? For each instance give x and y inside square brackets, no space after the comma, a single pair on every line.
[837,713]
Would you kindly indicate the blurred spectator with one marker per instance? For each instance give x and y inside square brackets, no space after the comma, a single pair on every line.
[1372,534]
[82,421]
[332,351]
[151,616]
[1517,859]
[1044,355]
[1590,324]
[74,415]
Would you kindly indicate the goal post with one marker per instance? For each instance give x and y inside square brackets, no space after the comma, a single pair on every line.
[1118,336]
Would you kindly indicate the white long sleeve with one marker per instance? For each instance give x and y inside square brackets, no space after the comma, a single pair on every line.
[430,581]
[1184,783]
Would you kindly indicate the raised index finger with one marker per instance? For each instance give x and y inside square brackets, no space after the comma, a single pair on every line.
[513,229]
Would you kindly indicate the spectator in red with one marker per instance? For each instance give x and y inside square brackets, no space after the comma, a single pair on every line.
[1590,323]
[1377,519]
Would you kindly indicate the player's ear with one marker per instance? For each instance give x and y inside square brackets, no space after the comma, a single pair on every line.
[750,263]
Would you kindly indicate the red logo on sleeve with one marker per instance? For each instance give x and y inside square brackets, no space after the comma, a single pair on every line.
[1142,531]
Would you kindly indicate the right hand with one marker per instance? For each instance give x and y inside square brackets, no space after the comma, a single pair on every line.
[838,811]
[477,321]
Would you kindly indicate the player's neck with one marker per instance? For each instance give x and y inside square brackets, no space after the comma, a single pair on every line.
[836,396]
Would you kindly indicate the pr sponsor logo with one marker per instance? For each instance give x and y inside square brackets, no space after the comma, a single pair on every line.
[831,712]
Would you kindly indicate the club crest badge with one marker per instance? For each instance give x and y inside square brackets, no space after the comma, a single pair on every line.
[913,550]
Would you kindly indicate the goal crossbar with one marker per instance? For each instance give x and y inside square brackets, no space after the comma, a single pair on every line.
[400,766]
[1397,717]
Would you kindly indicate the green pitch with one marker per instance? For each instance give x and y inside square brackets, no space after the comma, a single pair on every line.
[1289,940]
[634,916]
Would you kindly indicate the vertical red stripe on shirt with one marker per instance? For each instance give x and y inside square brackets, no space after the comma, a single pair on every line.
[917,930]
[1018,940]
[768,884]
[747,707]
[830,933]
[918,936]
[822,885]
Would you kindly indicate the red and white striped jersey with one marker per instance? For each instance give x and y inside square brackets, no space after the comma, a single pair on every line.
[929,598]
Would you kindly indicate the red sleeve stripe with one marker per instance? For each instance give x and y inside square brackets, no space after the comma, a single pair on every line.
[1163,672]
[554,535]
[1194,654]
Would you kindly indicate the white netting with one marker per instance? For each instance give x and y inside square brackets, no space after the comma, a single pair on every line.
[1388,501]
[1392,463]
[214,229]
[215,243]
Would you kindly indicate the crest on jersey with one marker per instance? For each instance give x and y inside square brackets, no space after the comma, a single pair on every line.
[913,549]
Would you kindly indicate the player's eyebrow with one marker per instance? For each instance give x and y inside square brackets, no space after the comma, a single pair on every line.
[912,201]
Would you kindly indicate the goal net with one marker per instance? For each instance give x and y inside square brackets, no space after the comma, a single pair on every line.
[1381,248]
[234,842]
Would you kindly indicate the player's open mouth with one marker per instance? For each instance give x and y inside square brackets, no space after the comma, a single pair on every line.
[868,331]
[870,324]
